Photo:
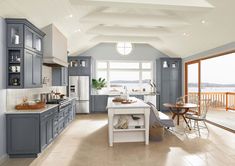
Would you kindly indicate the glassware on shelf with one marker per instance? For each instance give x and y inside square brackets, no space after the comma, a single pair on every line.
[165,64]
[15,82]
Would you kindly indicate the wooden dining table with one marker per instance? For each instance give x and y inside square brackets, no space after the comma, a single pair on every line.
[180,110]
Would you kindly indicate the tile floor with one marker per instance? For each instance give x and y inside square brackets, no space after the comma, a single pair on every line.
[85,143]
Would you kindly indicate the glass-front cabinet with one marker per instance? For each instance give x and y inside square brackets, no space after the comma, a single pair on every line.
[37,43]
[15,35]
[32,40]
[24,54]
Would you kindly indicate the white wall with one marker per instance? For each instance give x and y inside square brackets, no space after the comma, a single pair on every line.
[208,53]
[2,89]
[140,52]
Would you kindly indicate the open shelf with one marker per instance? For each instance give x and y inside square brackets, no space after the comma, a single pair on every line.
[14,63]
[14,72]
[129,129]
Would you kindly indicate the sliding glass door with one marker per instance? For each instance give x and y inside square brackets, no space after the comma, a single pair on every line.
[192,82]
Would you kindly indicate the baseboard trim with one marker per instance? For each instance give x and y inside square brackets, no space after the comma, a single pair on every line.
[3,158]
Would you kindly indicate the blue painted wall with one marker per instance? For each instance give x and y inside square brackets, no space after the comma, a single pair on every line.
[140,52]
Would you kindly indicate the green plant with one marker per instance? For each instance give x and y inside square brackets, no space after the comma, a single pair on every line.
[98,83]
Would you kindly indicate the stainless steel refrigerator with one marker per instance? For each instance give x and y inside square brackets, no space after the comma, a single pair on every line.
[79,87]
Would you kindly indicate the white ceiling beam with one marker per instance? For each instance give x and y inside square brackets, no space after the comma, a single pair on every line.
[157,4]
[132,39]
[127,31]
[133,19]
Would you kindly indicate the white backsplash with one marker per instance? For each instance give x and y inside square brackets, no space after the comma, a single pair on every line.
[15,96]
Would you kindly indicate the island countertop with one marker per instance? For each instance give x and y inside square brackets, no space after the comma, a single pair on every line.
[117,105]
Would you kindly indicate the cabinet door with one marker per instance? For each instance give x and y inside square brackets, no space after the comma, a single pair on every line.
[43,134]
[15,35]
[22,134]
[165,93]
[32,69]
[28,69]
[37,70]
[37,45]
[49,127]
[28,38]
[73,66]
[100,103]
[64,76]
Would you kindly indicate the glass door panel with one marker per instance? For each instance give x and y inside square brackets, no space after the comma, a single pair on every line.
[193,82]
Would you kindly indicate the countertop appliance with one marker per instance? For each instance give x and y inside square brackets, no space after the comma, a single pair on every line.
[79,87]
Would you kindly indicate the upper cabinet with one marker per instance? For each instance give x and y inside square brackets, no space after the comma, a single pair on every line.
[79,66]
[59,76]
[15,36]
[24,54]
[32,41]
[169,80]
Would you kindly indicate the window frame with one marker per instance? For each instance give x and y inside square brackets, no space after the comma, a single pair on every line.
[140,69]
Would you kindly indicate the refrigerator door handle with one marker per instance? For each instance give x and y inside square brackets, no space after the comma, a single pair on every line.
[78,91]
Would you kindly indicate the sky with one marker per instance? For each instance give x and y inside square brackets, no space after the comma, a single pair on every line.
[219,70]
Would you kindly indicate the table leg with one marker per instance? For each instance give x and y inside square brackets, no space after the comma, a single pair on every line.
[146,116]
[173,117]
[186,122]
[110,119]
[178,119]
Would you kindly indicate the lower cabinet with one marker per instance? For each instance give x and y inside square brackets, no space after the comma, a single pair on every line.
[28,134]
[141,97]
[23,134]
[99,103]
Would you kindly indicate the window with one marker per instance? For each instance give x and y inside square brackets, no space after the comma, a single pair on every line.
[125,73]
[124,48]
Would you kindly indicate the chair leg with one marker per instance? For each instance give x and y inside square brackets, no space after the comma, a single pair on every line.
[198,129]
[190,122]
[206,126]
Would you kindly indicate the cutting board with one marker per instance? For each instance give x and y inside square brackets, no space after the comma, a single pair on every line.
[39,105]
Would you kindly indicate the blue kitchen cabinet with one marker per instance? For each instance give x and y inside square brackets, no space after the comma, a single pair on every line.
[79,66]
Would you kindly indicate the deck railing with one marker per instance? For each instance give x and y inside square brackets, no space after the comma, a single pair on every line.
[224,100]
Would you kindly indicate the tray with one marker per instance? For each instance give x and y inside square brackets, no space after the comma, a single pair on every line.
[39,105]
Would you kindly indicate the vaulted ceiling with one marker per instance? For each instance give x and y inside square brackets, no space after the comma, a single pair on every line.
[178,28]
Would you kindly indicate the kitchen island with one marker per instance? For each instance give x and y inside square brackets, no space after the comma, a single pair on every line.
[133,133]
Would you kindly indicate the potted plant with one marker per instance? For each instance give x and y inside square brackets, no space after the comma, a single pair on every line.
[98,84]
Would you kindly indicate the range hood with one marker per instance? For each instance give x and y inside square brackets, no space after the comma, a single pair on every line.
[54,47]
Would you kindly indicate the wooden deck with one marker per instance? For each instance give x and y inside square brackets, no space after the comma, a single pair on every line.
[222,108]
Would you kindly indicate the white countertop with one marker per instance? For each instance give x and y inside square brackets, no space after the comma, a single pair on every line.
[34,111]
[118,105]
[132,93]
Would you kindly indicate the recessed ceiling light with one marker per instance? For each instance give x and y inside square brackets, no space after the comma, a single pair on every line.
[70,16]
[186,34]
[203,21]
[78,30]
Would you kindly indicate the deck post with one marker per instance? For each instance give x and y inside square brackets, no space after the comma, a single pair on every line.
[226,101]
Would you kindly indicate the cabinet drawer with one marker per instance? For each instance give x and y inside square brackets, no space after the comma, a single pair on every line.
[60,126]
[48,113]
[56,130]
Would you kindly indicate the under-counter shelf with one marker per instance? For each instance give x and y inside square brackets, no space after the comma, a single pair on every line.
[129,129]
[131,134]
